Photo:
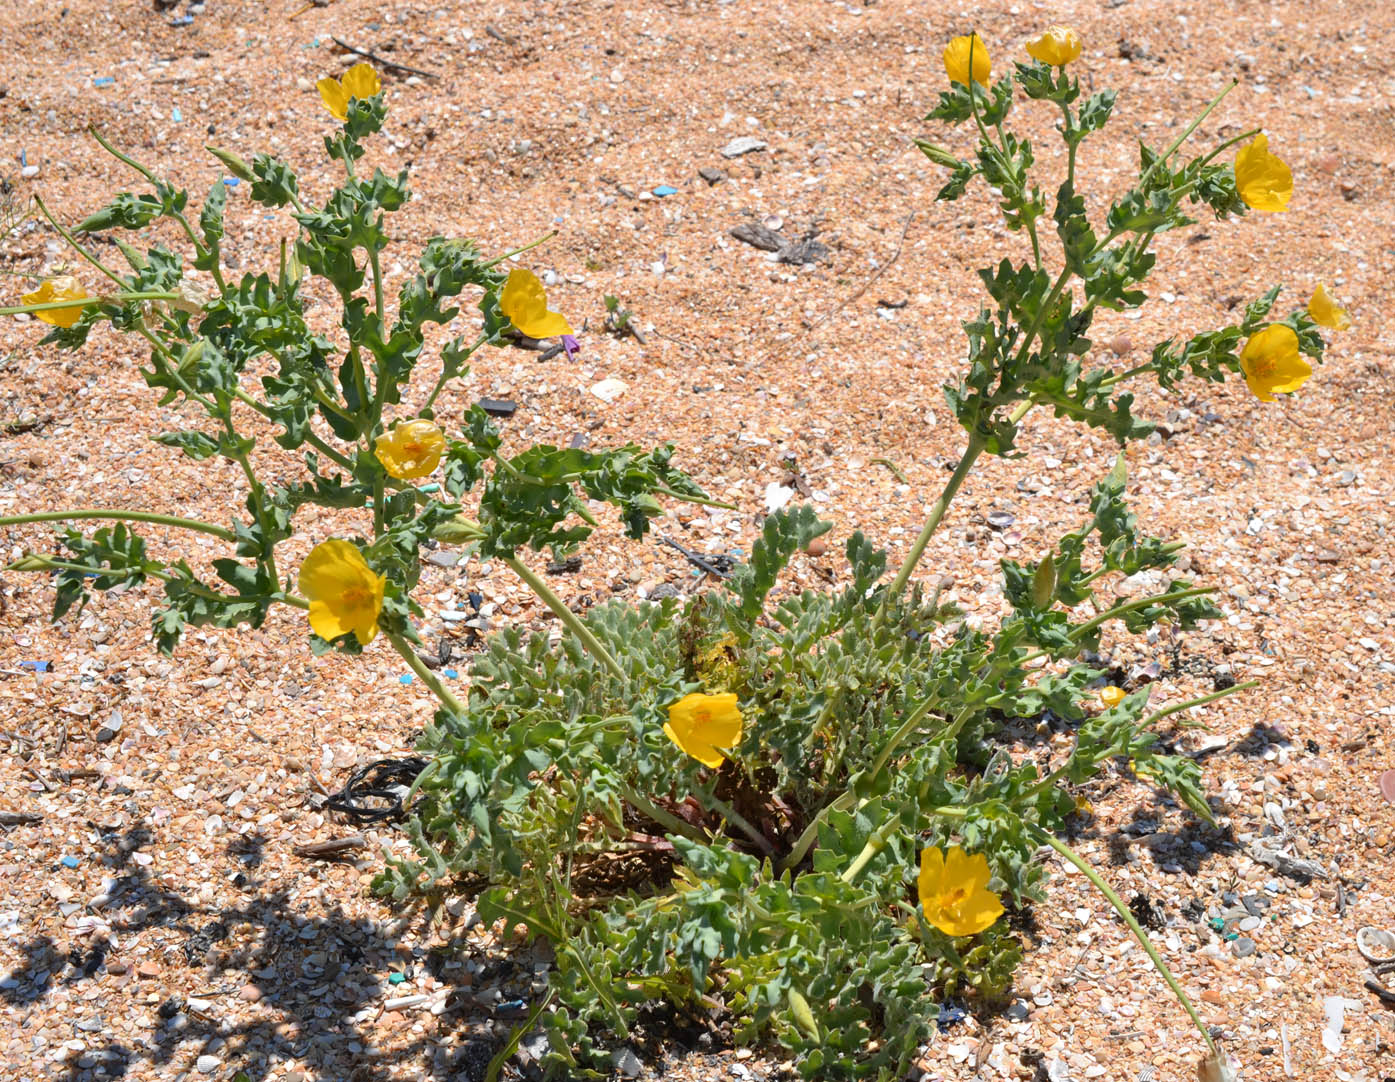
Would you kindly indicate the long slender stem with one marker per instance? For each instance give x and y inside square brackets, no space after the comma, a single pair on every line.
[736,819]
[593,645]
[67,235]
[1186,133]
[1177,708]
[519,251]
[429,678]
[79,513]
[1143,602]
[1127,916]
[665,819]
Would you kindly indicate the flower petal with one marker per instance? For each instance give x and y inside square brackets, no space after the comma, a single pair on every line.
[524,301]
[325,623]
[361,81]
[333,95]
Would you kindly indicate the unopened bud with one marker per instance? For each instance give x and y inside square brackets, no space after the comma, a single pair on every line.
[1044,583]
[133,255]
[30,563]
[937,154]
[802,1016]
[236,166]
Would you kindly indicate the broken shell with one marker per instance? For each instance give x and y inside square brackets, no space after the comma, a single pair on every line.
[1376,945]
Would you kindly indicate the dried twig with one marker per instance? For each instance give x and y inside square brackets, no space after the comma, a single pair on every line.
[331,849]
[19,819]
[384,61]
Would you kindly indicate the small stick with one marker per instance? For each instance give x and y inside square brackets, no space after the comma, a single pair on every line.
[334,847]
[895,469]
[696,560]
[383,60]
[19,819]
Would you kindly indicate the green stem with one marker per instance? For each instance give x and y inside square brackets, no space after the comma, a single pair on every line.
[811,832]
[429,678]
[1230,143]
[1129,919]
[1148,173]
[377,286]
[874,845]
[736,819]
[519,251]
[72,241]
[79,513]
[448,372]
[573,623]
[83,302]
[1143,602]
[1153,719]
[665,819]
[378,486]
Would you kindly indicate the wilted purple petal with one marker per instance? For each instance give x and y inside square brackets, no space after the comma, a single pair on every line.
[570,344]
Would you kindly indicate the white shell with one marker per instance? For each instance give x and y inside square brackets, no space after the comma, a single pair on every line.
[1376,945]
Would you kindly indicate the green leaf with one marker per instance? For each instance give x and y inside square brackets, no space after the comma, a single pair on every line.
[197,445]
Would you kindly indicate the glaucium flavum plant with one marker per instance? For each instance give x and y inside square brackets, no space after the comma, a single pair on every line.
[805,812]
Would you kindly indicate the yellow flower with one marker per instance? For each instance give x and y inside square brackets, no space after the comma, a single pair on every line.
[1326,311]
[953,889]
[345,594]
[63,288]
[522,299]
[411,450]
[1111,696]
[1057,47]
[360,81]
[958,54]
[1262,179]
[701,724]
[1271,362]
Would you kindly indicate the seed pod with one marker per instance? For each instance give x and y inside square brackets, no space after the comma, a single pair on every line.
[802,1016]
[1044,583]
[133,255]
[937,154]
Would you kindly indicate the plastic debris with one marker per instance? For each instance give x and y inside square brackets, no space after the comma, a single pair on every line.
[182,20]
[176,115]
[663,191]
[396,978]
[432,487]
[68,862]
[103,80]
[231,182]
[405,678]
[450,674]
[37,666]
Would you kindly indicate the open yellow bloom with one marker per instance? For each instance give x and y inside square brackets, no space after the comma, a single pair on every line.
[1271,362]
[525,303]
[360,81]
[963,51]
[63,288]
[1327,312]
[702,724]
[345,593]
[411,450]
[953,889]
[1057,47]
[1262,179]
[1112,696]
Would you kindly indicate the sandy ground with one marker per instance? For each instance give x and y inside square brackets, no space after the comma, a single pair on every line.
[156,923]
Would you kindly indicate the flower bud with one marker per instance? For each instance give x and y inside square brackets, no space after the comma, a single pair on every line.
[30,563]
[236,166]
[133,254]
[937,154]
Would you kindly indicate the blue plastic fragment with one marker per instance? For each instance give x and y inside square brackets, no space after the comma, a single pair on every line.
[950,1015]
[103,80]
[432,487]
[23,158]
[68,862]
[405,678]
[37,666]
[231,182]
[664,190]
[182,20]
[396,978]
[451,674]
[176,115]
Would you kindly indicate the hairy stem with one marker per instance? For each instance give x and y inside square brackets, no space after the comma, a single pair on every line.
[77,514]
[573,623]
[1128,918]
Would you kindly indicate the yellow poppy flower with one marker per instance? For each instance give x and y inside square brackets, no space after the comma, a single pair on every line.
[411,450]
[360,81]
[63,288]
[345,593]
[702,724]
[1324,310]
[1262,179]
[960,52]
[1271,362]
[1111,696]
[1057,47]
[525,303]
[954,894]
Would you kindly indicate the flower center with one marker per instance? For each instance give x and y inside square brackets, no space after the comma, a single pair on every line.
[412,448]
[1262,366]
[355,597]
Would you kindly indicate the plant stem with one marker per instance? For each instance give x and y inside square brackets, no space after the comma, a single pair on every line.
[79,513]
[1123,910]
[1200,701]
[736,819]
[1186,133]
[82,302]
[68,236]
[811,832]
[1142,602]
[874,845]
[574,624]
[665,819]
[429,678]
[519,251]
